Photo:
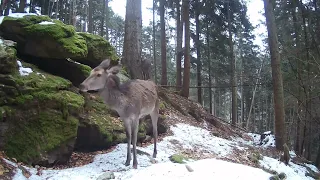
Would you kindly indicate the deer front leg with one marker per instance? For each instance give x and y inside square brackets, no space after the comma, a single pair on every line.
[127,126]
[135,128]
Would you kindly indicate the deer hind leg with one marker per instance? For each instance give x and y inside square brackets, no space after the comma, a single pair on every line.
[127,126]
[135,128]
[154,117]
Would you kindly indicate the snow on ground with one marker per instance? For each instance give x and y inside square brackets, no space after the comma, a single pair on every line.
[22,70]
[293,171]
[185,138]
[46,23]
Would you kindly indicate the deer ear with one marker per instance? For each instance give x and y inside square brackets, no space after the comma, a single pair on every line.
[114,69]
[105,64]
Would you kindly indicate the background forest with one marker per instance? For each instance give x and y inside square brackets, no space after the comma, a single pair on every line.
[229,75]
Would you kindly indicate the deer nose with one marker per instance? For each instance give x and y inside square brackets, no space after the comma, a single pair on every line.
[82,87]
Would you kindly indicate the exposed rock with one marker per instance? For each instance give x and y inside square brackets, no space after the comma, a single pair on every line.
[48,40]
[106,176]
[38,121]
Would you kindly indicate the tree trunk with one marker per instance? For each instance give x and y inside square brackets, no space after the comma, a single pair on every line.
[186,70]
[107,19]
[318,157]
[233,72]
[102,19]
[179,31]
[164,78]
[154,41]
[299,80]
[132,39]
[209,69]
[8,7]
[22,6]
[253,97]
[90,18]
[280,133]
[57,9]
[198,44]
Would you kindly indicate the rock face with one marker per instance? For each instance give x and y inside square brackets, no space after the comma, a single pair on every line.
[43,118]
[42,37]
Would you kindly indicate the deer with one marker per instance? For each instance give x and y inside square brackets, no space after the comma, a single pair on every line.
[132,100]
[146,69]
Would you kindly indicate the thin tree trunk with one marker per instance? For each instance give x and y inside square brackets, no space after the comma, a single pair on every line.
[8,7]
[186,70]
[280,133]
[90,18]
[179,31]
[299,80]
[198,44]
[318,156]
[253,96]
[164,78]
[22,6]
[154,41]
[234,106]
[209,69]
[102,19]
[57,9]
[107,18]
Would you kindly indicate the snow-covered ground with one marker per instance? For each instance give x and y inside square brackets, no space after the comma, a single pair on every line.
[185,138]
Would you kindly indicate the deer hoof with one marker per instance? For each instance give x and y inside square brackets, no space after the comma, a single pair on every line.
[135,166]
[154,155]
[127,163]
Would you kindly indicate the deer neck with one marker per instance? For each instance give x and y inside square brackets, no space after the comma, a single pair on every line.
[112,97]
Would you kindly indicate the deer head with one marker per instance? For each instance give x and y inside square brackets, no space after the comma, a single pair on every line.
[100,76]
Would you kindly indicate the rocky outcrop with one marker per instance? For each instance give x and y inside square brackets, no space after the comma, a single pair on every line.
[42,37]
[43,118]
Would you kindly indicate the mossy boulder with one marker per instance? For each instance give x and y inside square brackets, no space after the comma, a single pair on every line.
[39,121]
[41,36]
[100,127]
[178,158]
[8,63]
[98,50]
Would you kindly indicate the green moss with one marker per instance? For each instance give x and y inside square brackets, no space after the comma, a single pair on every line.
[36,133]
[6,111]
[55,31]
[8,63]
[39,80]
[162,105]
[274,177]
[255,157]
[85,69]
[178,158]
[99,48]
[75,45]
[28,19]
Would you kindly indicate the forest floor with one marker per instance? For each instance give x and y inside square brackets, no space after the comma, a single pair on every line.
[208,146]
